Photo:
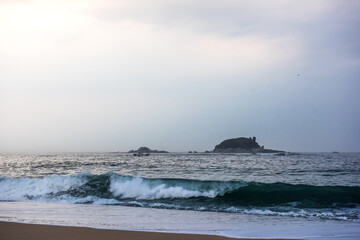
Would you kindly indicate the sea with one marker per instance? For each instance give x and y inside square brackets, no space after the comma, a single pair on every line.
[280,195]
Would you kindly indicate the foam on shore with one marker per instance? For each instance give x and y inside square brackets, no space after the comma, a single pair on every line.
[174,221]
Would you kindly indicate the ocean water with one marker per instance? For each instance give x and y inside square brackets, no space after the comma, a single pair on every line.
[227,194]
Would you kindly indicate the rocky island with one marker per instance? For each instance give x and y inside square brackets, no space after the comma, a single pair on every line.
[146,150]
[241,145]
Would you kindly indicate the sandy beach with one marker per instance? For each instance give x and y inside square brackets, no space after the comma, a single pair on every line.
[20,231]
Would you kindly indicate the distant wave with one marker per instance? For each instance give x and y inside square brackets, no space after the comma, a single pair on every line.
[329,202]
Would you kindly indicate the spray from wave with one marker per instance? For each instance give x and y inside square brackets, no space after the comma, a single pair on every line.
[328,202]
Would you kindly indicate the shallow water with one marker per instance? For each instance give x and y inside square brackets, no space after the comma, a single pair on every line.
[301,187]
[175,221]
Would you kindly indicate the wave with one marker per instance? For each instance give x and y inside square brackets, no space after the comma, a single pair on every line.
[330,202]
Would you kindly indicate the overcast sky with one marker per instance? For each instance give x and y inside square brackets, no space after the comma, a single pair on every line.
[179,75]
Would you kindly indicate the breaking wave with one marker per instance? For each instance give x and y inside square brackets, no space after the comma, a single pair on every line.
[328,202]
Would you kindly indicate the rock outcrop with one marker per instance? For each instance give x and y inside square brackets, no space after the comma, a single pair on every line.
[241,145]
[146,150]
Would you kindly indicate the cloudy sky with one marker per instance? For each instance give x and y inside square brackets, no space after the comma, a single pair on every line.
[179,75]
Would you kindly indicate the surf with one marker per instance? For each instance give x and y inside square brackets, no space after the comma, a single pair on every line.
[333,202]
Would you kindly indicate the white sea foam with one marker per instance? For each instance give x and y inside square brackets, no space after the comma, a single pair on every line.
[113,189]
[29,188]
[300,213]
[147,219]
[138,189]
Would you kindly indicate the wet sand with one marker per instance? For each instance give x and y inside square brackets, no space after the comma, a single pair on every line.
[21,231]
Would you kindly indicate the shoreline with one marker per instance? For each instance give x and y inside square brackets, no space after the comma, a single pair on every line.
[19,231]
[146,222]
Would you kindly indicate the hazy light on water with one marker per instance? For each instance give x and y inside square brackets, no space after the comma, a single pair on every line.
[106,76]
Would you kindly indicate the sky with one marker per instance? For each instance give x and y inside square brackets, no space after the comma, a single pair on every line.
[179,75]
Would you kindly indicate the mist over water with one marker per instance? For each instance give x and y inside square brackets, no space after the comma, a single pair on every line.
[102,76]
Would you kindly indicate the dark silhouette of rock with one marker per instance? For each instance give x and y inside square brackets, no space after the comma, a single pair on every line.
[146,150]
[241,145]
